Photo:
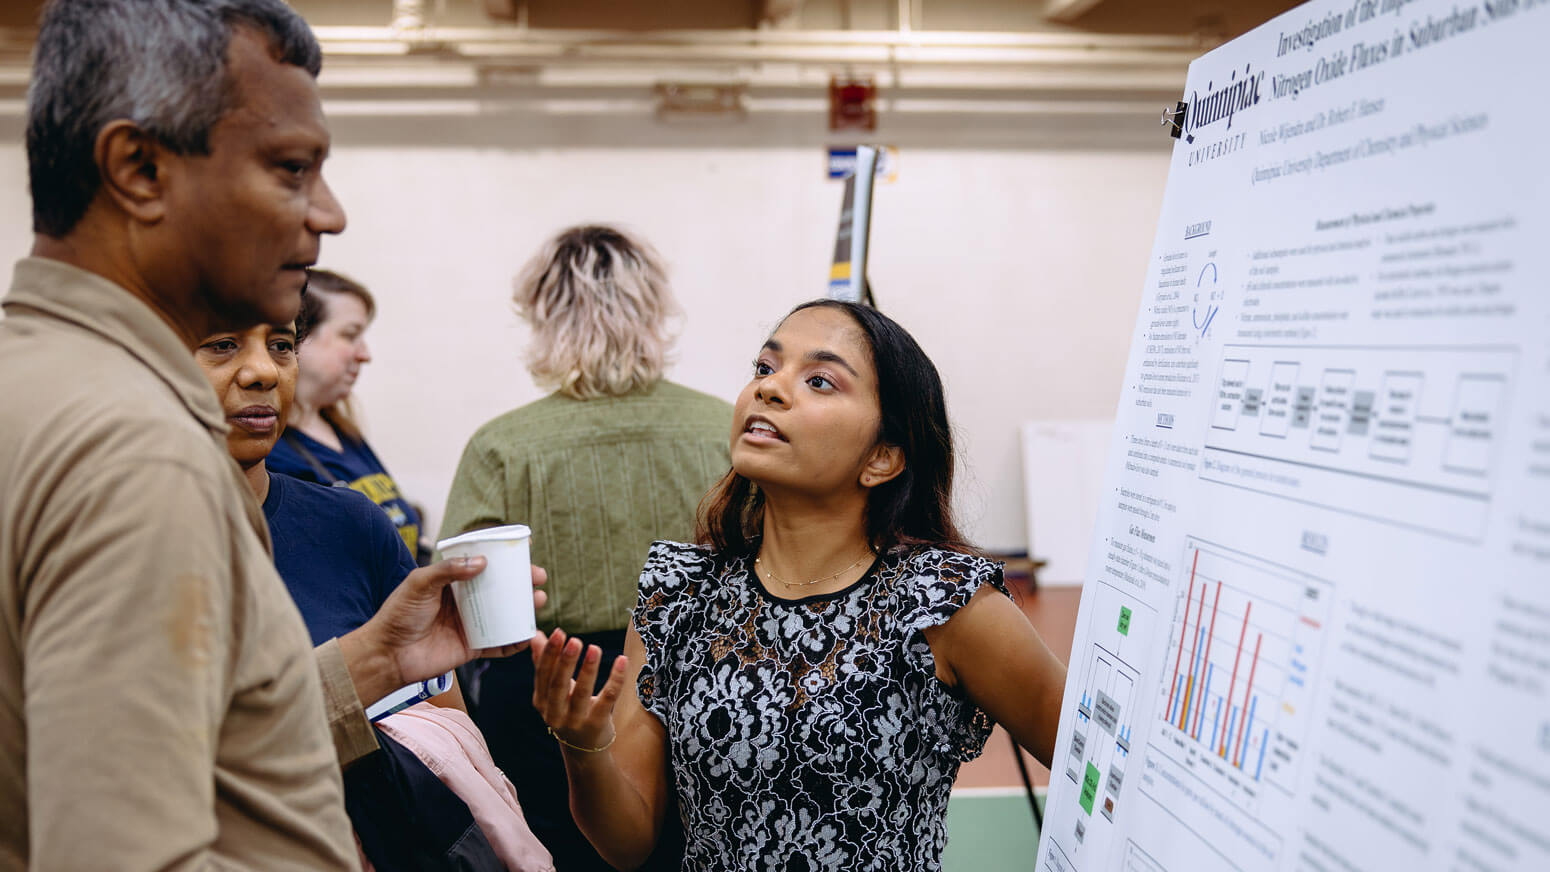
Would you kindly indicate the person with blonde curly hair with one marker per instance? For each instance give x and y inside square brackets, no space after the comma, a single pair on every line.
[615,458]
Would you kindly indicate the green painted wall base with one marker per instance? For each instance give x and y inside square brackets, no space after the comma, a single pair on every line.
[990,833]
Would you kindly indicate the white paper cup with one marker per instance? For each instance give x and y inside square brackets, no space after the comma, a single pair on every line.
[497,604]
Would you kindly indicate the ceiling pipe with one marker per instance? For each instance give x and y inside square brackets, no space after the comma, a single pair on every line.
[776,12]
[772,38]
[365,57]
[771,44]
[1145,60]
[1067,11]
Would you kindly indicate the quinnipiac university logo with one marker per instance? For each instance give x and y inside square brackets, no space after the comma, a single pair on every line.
[1238,95]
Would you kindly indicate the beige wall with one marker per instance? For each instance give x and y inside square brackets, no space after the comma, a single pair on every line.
[1018,269]
[1014,253]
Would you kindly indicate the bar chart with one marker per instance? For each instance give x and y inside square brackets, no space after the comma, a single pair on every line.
[1243,648]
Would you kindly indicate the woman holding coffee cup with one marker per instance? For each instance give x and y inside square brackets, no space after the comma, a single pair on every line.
[355,583]
[340,557]
[807,679]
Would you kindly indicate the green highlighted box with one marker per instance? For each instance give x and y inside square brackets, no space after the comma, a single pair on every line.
[1089,789]
[1124,621]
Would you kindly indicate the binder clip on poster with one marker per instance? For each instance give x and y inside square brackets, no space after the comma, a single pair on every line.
[1173,119]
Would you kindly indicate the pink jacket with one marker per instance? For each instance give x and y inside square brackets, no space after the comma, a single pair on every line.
[449,744]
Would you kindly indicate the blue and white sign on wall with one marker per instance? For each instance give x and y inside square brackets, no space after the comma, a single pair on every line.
[842,163]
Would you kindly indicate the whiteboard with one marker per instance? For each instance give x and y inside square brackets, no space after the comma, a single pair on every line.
[1063,466]
[1315,628]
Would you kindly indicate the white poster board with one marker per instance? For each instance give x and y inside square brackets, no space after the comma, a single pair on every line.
[1063,467]
[1315,626]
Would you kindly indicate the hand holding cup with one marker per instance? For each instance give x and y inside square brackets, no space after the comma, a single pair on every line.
[418,634]
[497,604]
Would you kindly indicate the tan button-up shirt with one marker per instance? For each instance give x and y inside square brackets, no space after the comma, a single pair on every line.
[160,703]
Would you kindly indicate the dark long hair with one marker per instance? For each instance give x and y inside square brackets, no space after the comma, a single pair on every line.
[915,507]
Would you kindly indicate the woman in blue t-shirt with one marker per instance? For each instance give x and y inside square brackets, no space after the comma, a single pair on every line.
[322,442]
[340,556]
[347,569]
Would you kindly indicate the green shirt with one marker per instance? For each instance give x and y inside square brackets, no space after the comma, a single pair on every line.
[597,481]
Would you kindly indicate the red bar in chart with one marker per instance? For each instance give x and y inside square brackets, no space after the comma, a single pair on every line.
[1173,685]
[1189,685]
[1247,695]
[1200,706]
[1222,751]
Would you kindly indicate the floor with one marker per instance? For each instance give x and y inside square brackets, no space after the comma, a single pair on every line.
[989,833]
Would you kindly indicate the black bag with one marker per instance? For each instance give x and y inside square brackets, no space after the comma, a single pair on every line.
[407,819]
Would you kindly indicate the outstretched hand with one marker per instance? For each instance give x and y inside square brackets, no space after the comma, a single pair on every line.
[417,634]
[583,721]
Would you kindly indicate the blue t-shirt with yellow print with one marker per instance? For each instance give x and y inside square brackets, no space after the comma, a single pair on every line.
[356,467]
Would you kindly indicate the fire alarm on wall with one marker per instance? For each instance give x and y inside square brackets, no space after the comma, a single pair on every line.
[852,103]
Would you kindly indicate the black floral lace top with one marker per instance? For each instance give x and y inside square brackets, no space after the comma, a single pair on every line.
[808,734]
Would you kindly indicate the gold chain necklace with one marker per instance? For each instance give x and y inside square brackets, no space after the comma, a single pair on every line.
[759,564]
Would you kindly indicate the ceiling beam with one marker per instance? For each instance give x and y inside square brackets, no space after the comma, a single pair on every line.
[777,12]
[1066,11]
[977,62]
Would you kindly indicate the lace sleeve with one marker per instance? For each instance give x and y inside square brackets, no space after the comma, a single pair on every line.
[938,584]
[942,582]
[669,586]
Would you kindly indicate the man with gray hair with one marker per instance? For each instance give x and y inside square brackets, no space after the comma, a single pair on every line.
[160,704]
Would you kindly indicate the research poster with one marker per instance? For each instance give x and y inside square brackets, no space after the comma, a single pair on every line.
[1315,623]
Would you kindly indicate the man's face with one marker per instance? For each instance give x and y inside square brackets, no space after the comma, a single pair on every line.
[248,218]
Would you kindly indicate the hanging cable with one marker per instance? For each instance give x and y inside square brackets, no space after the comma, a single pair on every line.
[1022,769]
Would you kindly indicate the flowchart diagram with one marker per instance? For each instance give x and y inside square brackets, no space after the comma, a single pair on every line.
[1403,435]
[1105,717]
